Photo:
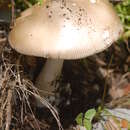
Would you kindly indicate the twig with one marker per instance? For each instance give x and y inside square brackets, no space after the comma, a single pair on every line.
[2,40]
[105,85]
[42,100]
[127,45]
[9,110]
[27,3]
[13,12]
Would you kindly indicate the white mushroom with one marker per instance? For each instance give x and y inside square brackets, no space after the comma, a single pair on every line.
[64,29]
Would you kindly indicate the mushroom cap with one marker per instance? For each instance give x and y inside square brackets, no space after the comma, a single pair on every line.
[68,29]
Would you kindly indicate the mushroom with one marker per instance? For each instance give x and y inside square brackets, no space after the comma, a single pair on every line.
[64,29]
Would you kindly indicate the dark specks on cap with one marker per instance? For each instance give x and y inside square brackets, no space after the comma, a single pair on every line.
[81,9]
[64,26]
[79,21]
[47,6]
[64,14]
[69,9]
[50,14]
[76,15]
[62,7]
[68,18]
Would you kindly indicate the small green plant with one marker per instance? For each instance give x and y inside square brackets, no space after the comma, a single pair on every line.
[123,10]
[103,116]
[40,1]
[86,119]
[23,4]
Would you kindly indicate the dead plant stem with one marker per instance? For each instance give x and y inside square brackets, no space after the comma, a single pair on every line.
[12,12]
[105,84]
[8,110]
[27,3]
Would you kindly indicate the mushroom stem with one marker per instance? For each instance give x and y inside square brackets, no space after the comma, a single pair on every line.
[48,75]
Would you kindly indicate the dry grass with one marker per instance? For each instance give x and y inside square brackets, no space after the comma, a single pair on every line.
[16,90]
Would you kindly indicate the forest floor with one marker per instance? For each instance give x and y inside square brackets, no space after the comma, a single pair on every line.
[81,86]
